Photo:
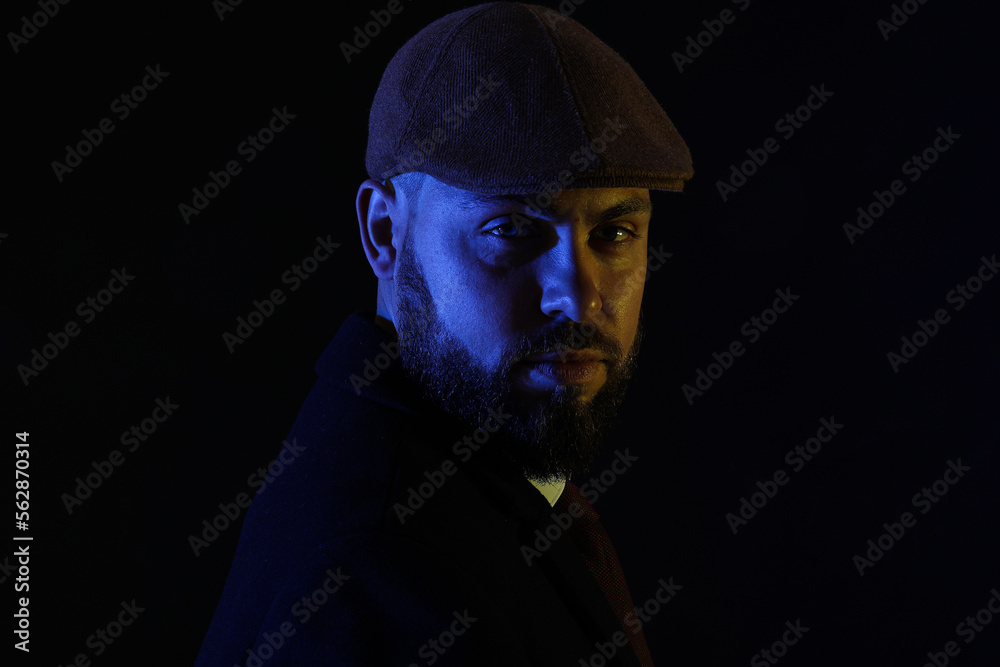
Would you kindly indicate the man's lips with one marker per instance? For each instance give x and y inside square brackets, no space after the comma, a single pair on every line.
[565,367]
[563,356]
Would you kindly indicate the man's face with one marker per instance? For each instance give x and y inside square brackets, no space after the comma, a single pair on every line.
[526,306]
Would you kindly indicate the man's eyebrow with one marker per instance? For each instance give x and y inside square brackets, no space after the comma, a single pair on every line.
[477,199]
[624,207]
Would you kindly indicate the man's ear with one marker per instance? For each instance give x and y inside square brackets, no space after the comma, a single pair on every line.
[382,222]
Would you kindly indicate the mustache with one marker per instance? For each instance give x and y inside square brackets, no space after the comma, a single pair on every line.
[563,337]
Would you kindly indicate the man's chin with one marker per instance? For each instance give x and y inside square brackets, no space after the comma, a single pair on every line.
[557,435]
[554,431]
[530,396]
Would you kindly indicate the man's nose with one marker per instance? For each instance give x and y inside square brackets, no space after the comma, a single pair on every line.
[568,278]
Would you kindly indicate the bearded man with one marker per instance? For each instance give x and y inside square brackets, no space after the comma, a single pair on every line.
[431,518]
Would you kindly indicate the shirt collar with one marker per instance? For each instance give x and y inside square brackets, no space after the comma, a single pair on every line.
[550,489]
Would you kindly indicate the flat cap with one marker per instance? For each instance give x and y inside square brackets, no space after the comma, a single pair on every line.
[507,98]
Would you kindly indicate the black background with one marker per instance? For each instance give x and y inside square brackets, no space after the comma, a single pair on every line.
[826,357]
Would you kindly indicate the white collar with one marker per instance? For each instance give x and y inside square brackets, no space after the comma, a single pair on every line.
[550,489]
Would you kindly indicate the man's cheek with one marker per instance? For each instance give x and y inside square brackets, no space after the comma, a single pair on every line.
[627,280]
[481,321]
[622,292]
[619,316]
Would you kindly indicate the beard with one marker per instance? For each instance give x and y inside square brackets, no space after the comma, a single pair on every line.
[548,437]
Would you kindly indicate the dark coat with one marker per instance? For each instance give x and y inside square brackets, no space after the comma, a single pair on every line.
[382,580]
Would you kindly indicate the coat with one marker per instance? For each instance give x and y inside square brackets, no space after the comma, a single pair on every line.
[396,538]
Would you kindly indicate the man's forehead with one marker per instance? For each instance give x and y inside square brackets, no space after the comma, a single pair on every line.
[608,202]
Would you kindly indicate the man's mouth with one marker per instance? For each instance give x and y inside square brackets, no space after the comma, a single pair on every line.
[564,356]
[565,367]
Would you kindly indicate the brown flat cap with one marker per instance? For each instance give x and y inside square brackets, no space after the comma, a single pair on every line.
[513,98]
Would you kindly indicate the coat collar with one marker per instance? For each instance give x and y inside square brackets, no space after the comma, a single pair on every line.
[363,359]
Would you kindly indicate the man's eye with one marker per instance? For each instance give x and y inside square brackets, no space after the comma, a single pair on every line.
[615,234]
[514,227]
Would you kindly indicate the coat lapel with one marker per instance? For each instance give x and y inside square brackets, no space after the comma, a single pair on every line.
[561,562]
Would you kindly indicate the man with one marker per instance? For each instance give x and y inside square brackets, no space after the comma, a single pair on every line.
[511,155]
